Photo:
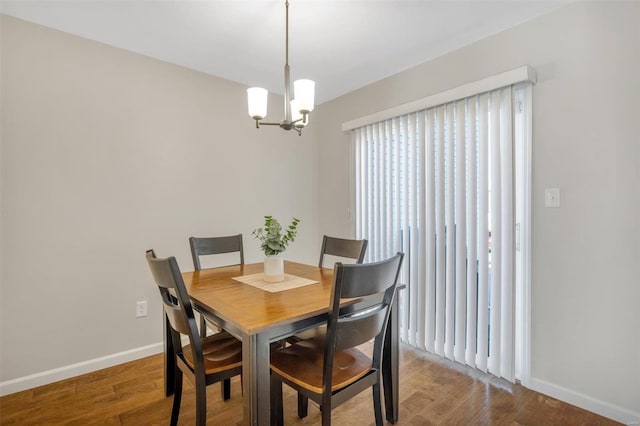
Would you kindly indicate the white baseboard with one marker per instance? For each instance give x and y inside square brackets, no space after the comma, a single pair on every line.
[57,374]
[602,408]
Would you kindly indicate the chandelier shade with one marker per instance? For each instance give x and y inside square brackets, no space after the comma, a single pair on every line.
[257,97]
[304,94]
[296,112]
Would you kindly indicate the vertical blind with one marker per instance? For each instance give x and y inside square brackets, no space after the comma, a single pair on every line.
[438,185]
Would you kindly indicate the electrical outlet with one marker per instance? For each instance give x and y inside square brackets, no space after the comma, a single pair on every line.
[552,197]
[141,309]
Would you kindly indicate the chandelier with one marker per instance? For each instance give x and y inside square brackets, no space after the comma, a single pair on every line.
[296,111]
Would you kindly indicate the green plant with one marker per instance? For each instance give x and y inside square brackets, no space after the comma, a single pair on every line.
[273,240]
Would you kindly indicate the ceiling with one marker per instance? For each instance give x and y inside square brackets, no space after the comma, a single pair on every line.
[341,44]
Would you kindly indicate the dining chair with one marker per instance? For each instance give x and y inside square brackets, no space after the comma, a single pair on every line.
[203,361]
[341,247]
[205,246]
[330,369]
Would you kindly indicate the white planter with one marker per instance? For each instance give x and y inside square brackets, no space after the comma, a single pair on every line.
[273,269]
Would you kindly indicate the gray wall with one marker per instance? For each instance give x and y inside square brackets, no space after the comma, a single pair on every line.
[585,284]
[105,154]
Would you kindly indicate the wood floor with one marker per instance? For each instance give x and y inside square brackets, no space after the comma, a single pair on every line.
[432,391]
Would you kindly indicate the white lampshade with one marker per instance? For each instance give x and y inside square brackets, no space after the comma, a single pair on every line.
[257,99]
[297,115]
[304,92]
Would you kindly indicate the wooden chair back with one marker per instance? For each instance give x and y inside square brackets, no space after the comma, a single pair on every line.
[347,328]
[203,246]
[341,247]
[175,299]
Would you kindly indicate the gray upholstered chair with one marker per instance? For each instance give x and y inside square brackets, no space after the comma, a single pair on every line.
[330,369]
[205,361]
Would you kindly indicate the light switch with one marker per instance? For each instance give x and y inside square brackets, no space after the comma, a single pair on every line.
[552,197]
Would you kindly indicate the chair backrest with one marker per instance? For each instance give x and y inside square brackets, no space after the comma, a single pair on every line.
[176,301]
[347,328]
[351,249]
[203,246]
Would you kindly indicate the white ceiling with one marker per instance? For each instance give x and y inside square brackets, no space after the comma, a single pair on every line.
[341,44]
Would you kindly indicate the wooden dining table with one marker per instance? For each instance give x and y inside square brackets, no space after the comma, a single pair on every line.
[259,318]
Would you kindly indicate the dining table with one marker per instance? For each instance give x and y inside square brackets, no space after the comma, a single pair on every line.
[259,317]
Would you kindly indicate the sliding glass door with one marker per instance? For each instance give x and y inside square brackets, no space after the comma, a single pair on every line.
[448,186]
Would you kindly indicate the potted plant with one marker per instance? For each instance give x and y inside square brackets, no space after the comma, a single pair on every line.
[274,242]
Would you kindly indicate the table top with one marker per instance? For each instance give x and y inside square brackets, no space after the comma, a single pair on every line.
[253,310]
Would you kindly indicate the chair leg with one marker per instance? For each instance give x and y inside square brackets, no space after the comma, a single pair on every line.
[377,404]
[326,410]
[303,406]
[201,402]
[203,327]
[225,387]
[277,412]
[177,397]
[326,416]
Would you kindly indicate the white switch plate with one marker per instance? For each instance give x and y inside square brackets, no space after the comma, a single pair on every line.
[552,197]
[141,309]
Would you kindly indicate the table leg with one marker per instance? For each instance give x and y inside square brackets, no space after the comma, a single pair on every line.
[256,386]
[169,359]
[390,365]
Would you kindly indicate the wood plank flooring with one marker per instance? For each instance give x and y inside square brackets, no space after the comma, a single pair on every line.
[432,391]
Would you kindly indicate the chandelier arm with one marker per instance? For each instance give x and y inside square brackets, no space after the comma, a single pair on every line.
[299,119]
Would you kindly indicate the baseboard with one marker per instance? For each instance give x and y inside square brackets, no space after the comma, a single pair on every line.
[586,402]
[57,374]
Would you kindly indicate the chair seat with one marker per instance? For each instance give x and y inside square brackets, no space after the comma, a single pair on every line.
[221,351]
[302,362]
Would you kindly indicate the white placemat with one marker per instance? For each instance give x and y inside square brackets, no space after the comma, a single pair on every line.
[290,281]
